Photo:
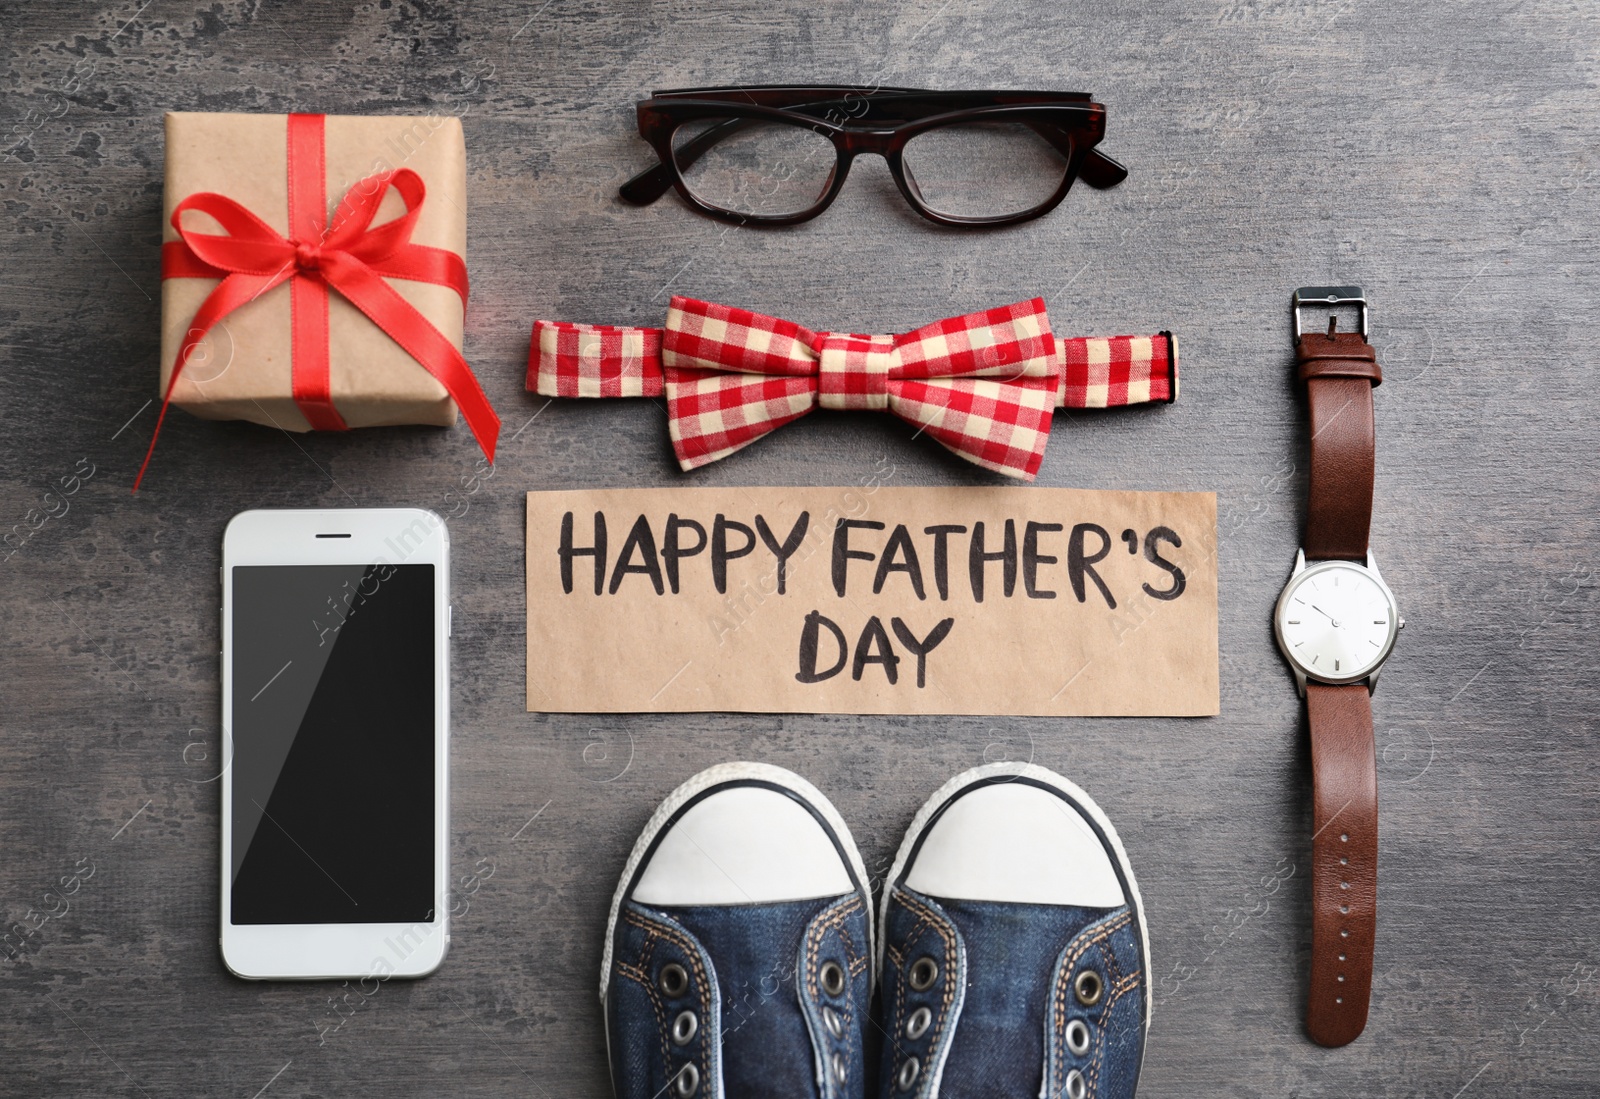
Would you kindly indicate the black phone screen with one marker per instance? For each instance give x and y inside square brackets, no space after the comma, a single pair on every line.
[333,744]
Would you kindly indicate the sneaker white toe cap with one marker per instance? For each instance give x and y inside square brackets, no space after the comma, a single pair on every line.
[1012,841]
[743,845]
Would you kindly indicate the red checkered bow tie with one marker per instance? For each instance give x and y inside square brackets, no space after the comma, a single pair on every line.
[984,385]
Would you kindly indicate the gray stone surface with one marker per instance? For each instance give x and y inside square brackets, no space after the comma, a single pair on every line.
[1444,156]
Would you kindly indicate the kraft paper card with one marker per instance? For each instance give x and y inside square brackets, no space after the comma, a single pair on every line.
[883,600]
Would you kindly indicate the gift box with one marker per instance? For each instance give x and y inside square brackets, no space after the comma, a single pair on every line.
[313,272]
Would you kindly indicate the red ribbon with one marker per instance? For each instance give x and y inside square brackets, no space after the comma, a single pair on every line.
[352,256]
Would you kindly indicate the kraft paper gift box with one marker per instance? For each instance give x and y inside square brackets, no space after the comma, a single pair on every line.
[242,369]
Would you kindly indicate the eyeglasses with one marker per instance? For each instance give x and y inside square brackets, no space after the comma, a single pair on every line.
[777,155]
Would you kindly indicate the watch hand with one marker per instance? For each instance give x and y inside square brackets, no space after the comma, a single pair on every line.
[1325,614]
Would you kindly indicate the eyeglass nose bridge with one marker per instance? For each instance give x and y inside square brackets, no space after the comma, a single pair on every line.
[854,142]
[885,142]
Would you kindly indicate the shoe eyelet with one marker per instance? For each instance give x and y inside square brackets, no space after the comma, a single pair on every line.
[684,1027]
[919,1022]
[1077,1087]
[673,979]
[1078,1037]
[924,971]
[831,1020]
[839,1073]
[687,1082]
[832,977]
[906,1078]
[1087,987]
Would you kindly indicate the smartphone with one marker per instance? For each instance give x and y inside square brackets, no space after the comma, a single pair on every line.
[335,733]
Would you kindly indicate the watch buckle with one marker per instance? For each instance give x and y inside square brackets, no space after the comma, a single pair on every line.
[1328,297]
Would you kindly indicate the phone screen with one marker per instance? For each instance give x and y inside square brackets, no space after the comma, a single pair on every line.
[333,744]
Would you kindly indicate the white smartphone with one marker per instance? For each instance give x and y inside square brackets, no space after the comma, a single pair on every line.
[335,731]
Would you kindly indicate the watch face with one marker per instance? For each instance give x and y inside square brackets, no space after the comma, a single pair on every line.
[1336,621]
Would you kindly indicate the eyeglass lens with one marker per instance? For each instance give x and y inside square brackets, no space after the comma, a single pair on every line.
[984,169]
[754,167]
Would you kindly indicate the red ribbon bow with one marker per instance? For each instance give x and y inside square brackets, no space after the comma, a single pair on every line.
[984,385]
[352,256]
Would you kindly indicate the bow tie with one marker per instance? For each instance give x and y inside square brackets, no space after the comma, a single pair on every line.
[984,385]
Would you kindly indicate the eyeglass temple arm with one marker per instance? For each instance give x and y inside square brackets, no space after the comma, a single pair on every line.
[1098,170]
[652,183]
[646,187]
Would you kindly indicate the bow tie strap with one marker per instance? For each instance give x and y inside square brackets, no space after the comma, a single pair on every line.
[984,385]
[1111,371]
[594,360]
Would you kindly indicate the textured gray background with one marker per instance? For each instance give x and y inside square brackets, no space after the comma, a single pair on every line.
[1444,156]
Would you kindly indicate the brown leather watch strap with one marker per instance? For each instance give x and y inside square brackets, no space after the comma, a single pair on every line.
[1340,370]
[1344,861]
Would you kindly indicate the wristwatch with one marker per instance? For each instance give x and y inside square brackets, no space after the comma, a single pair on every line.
[1336,623]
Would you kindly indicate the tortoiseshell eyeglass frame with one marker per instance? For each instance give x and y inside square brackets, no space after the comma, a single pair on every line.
[866,120]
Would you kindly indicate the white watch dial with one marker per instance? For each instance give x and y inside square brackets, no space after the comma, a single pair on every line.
[1336,621]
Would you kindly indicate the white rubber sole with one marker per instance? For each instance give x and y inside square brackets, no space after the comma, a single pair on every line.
[1048,778]
[716,776]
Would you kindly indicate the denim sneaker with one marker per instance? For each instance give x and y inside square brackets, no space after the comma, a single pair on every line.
[1013,953]
[738,957]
